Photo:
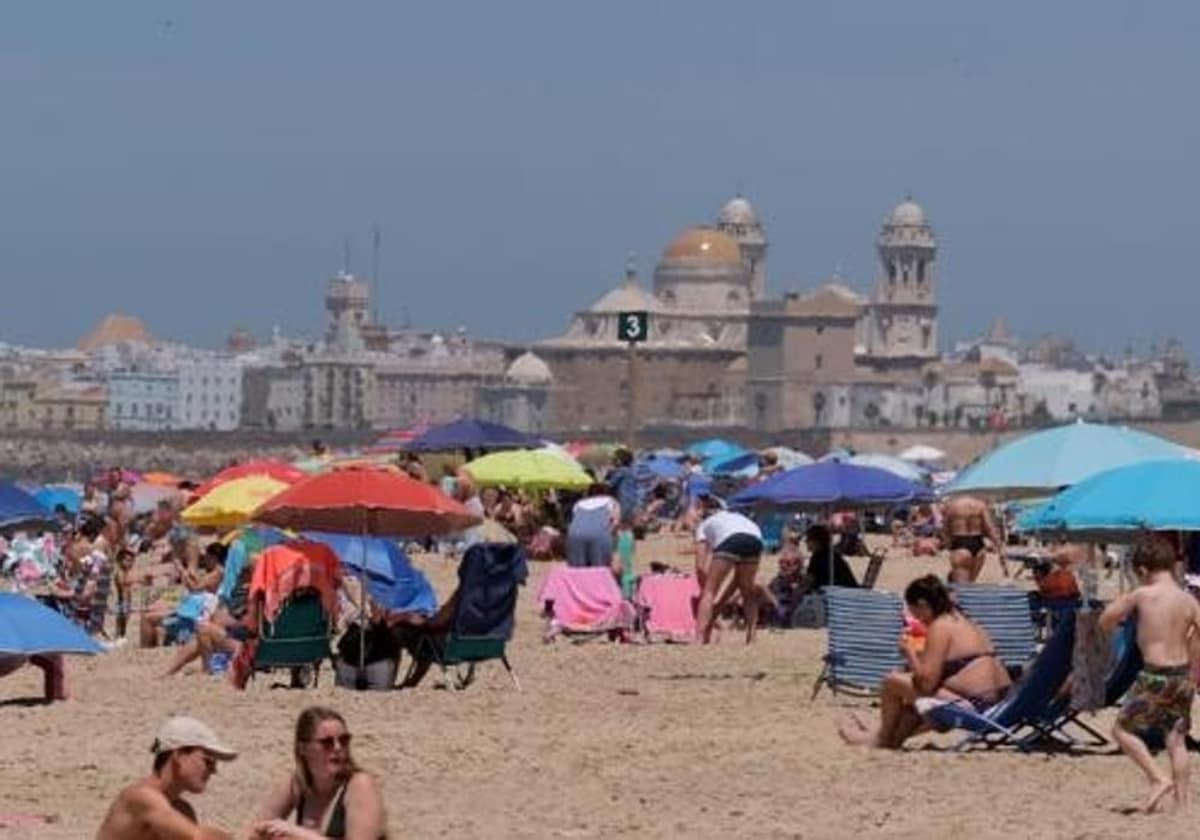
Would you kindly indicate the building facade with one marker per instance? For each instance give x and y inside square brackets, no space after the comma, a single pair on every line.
[144,402]
[210,395]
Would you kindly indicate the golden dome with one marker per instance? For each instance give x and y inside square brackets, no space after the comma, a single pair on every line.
[704,245]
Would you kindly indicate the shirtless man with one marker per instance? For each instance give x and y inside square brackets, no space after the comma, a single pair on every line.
[1168,632]
[967,523]
[186,753]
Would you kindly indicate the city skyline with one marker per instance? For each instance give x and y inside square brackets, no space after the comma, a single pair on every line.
[201,168]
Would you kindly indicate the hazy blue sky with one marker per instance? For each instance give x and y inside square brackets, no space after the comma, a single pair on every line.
[198,164]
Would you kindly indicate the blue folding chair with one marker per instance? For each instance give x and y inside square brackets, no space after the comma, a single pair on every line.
[1005,613]
[1023,708]
[864,634]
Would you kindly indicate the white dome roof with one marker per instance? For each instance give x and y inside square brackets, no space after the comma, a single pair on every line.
[907,212]
[738,211]
[529,369]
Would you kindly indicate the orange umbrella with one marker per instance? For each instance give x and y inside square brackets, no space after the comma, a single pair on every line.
[161,479]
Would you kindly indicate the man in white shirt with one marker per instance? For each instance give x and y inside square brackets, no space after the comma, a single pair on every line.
[725,542]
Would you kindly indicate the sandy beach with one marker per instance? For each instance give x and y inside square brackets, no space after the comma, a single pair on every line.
[604,740]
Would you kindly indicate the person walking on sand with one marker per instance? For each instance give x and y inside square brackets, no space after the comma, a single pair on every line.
[186,753]
[968,525]
[1168,630]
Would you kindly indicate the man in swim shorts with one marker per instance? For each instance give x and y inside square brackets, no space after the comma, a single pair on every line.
[967,525]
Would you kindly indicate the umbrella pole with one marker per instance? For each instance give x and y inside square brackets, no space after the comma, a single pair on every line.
[360,681]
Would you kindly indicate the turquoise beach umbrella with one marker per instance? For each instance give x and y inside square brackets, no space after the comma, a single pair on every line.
[1120,503]
[1042,463]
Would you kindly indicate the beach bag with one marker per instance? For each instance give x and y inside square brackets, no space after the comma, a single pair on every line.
[810,612]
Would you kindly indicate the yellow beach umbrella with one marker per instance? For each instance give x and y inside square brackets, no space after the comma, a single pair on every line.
[528,470]
[230,504]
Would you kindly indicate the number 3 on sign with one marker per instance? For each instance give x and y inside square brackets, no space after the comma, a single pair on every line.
[632,327]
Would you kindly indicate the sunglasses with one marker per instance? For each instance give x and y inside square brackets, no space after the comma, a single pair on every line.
[330,741]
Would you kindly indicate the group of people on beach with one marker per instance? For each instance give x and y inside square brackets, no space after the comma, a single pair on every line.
[957,663]
[326,795]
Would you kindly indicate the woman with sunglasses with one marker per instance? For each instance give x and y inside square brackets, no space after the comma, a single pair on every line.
[328,795]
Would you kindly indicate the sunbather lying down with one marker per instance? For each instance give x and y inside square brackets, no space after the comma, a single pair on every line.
[957,663]
[410,629]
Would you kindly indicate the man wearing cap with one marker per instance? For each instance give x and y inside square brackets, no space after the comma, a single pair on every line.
[186,753]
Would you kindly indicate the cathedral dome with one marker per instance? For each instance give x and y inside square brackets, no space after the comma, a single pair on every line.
[907,213]
[529,369]
[703,246]
[738,212]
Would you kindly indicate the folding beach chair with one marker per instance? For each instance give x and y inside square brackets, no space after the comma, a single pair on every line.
[482,625]
[864,633]
[1126,663]
[298,638]
[1024,708]
[874,567]
[1005,613]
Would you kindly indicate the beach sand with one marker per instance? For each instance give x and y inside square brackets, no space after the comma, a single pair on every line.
[604,740]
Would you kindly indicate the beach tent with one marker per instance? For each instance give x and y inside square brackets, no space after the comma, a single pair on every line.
[470,434]
[1119,504]
[18,507]
[1042,463]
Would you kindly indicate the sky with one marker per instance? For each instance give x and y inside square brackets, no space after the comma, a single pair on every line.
[201,165]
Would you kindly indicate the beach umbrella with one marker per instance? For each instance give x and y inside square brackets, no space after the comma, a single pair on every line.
[828,486]
[657,467]
[529,470]
[392,581]
[922,454]
[17,507]
[231,503]
[789,458]
[278,470]
[53,495]
[145,497]
[715,450]
[163,479]
[366,503]
[891,463]
[1119,504]
[28,627]
[1042,463]
[470,434]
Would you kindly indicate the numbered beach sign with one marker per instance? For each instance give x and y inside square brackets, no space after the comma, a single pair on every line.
[633,327]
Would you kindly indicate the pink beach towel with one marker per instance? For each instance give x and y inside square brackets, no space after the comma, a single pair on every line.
[670,604]
[583,601]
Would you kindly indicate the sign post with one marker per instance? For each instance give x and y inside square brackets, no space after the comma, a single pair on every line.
[633,328]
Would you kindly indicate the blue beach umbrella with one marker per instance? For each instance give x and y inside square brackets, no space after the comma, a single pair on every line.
[829,485]
[53,495]
[470,434]
[28,627]
[392,581]
[18,507]
[1120,503]
[1043,463]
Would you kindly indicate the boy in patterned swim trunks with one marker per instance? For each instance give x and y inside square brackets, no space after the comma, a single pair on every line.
[1168,627]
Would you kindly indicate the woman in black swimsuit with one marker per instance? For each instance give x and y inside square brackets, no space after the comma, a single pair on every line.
[328,795]
[957,663]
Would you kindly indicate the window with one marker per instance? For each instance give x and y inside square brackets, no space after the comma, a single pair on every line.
[818,361]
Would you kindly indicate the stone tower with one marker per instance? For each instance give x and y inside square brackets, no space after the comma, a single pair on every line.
[739,220]
[347,300]
[903,323]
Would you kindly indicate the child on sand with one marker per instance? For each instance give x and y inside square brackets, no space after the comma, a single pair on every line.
[1168,623]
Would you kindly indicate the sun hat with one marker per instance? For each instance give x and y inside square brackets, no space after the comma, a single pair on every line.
[182,732]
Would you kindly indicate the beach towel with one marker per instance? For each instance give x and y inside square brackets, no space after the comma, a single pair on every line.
[583,600]
[669,601]
[283,569]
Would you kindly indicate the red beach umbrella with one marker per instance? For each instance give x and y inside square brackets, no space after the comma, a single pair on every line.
[367,502]
[277,470]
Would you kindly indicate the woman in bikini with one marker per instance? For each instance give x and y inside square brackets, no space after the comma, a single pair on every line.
[957,663]
[328,795]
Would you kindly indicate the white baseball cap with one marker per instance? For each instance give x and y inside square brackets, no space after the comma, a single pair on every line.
[181,732]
